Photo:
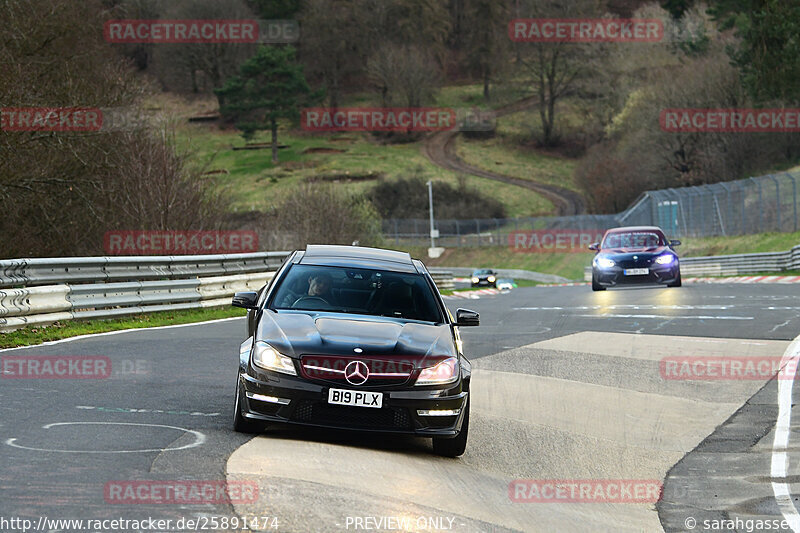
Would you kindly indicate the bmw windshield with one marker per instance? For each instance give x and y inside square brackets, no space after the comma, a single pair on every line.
[357,291]
[633,240]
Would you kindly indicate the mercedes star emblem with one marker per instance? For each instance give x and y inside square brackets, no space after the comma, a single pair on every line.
[356,372]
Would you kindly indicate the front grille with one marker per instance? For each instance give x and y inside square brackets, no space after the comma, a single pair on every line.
[383,371]
[352,417]
[630,263]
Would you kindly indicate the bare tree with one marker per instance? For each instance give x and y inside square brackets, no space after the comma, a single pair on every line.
[554,69]
[404,74]
[205,66]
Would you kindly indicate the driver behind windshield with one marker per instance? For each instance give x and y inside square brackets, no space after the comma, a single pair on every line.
[319,286]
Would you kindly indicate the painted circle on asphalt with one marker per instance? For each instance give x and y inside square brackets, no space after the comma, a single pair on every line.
[199,438]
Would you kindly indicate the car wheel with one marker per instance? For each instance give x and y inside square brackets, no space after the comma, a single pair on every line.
[240,423]
[596,286]
[453,447]
[677,282]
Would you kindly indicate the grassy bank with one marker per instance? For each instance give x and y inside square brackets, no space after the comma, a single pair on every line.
[73,328]
[354,161]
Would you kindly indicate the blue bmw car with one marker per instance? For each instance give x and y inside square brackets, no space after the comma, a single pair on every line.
[635,255]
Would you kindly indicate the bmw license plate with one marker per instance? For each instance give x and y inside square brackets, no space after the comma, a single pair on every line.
[355,398]
[636,271]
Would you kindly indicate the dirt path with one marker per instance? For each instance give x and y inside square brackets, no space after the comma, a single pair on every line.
[440,149]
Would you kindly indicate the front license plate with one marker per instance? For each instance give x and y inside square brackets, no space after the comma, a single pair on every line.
[355,398]
[637,271]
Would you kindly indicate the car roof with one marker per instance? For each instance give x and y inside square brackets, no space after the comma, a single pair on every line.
[357,256]
[634,228]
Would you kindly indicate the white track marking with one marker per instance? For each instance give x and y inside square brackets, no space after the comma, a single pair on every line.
[638,307]
[200,438]
[90,335]
[667,317]
[780,456]
[782,324]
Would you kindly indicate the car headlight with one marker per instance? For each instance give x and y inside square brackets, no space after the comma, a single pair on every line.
[266,357]
[444,372]
[665,259]
[491,279]
[475,280]
[603,262]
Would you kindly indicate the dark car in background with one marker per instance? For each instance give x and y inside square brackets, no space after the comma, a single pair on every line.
[484,277]
[355,338]
[635,255]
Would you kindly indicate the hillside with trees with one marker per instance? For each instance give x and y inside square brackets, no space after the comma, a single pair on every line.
[590,123]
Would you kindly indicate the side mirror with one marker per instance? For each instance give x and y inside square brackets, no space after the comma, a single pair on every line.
[674,242]
[465,317]
[594,246]
[245,300]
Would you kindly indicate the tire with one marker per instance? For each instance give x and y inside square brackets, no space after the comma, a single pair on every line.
[453,447]
[677,282]
[596,286]
[240,423]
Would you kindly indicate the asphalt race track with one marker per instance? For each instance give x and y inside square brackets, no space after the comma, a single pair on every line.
[568,385]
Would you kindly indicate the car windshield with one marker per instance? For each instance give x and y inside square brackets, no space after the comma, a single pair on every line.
[482,272]
[633,239]
[357,290]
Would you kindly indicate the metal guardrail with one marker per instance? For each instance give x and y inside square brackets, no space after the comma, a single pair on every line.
[735,264]
[110,287]
[44,271]
[443,279]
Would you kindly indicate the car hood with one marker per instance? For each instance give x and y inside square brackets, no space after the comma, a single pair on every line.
[295,334]
[629,252]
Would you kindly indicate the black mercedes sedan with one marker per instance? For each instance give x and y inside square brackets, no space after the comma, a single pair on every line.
[635,255]
[355,338]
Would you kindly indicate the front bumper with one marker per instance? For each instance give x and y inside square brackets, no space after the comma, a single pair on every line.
[273,397]
[485,283]
[614,276]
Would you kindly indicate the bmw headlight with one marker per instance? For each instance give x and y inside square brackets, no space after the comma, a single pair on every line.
[603,262]
[266,357]
[440,374]
[475,280]
[665,259]
[491,279]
